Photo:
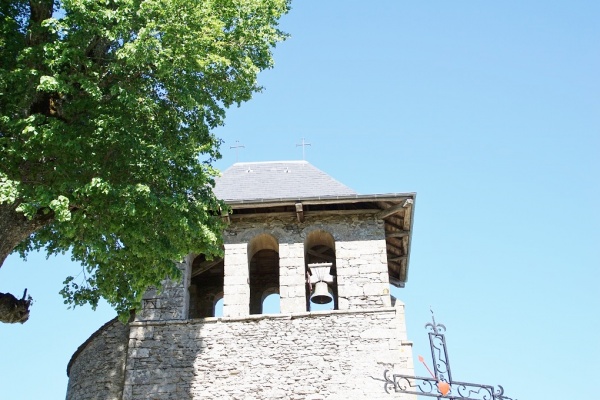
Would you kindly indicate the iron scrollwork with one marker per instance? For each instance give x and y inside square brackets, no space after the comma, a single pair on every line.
[410,384]
[440,384]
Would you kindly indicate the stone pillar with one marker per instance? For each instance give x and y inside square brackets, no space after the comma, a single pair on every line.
[292,278]
[236,288]
[404,345]
[362,274]
[171,302]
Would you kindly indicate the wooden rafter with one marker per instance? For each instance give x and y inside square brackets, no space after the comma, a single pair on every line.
[205,266]
[299,212]
[390,211]
[397,259]
[398,234]
[407,214]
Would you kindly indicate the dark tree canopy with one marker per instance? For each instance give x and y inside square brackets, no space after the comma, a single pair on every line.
[106,115]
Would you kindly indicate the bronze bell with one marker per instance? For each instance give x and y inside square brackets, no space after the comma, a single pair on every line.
[321,294]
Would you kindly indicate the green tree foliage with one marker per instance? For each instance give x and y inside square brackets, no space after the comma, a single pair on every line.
[106,115]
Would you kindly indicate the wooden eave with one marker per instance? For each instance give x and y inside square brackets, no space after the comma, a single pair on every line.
[396,210]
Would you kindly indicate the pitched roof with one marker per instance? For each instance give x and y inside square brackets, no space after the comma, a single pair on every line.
[277,180]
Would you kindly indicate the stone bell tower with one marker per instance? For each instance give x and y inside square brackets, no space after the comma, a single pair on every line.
[326,256]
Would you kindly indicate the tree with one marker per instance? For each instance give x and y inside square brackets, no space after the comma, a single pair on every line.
[106,115]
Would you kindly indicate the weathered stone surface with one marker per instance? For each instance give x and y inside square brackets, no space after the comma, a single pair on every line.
[360,249]
[326,355]
[97,370]
[317,355]
[268,357]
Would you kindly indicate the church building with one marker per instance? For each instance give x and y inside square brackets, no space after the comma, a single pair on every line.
[299,307]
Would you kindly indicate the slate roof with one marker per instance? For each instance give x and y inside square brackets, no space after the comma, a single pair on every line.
[277,180]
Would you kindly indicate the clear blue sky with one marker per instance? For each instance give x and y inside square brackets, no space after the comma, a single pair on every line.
[490,111]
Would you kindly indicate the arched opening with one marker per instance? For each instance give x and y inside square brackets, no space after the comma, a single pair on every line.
[218,306]
[319,247]
[206,286]
[271,302]
[263,256]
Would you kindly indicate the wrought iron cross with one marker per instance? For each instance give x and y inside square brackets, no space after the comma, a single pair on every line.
[440,384]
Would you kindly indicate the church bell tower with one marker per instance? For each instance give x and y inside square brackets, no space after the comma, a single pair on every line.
[299,307]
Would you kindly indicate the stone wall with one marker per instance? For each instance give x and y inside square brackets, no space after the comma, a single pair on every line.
[314,356]
[343,227]
[361,258]
[291,277]
[171,302]
[363,280]
[236,289]
[164,355]
[97,369]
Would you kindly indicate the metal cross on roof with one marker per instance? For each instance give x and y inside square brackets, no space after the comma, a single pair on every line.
[303,144]
[237,147]
[441,384]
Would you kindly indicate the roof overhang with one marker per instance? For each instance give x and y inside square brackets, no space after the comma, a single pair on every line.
[396,210]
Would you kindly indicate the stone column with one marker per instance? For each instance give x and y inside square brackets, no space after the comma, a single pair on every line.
[363,280]
[292,278]
[171,302]
[236,288]
[404,345]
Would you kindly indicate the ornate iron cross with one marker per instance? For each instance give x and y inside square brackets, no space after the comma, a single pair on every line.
[440,384]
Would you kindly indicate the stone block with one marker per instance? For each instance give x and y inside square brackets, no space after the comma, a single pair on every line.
[357,262]
[350,290]
[232,259]
[293,305]
[236,289]
[287,261]
[235,310]
[375,289]
[235,298]
[378,333]
[373,268]
[229,280]
[343,303]
[348,272]
[291,280]
[295,250]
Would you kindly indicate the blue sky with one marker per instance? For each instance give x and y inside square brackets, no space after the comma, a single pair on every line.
[490,112]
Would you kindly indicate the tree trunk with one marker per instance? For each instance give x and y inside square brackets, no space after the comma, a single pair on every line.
[15,228]
[13,310]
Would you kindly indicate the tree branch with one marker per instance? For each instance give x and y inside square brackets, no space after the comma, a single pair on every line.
[13,310]
[16,227]
[40,10]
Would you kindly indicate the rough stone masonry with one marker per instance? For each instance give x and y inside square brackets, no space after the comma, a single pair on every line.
[164,354]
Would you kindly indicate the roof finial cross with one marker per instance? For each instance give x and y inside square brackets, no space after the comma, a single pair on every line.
[237,147]
[303,144]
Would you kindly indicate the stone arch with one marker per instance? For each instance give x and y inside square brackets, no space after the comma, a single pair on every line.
[263,241]
[319,247]
[263,269]
[206,285]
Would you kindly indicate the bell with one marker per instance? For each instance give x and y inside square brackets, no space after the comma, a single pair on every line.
[321,294]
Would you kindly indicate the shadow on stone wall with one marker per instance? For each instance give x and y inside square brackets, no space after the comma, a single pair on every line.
[96,370]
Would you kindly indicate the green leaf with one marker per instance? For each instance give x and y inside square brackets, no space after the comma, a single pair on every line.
[106,119]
